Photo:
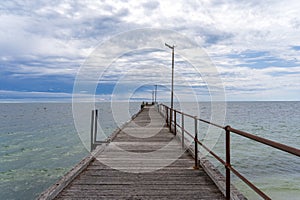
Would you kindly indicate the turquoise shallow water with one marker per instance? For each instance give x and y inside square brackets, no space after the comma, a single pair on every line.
[39,143]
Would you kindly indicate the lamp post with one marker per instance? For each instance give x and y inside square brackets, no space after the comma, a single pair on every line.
[152,97]
[172,86]
[155,93]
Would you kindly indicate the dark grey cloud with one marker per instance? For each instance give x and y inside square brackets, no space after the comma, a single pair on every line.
[151,5]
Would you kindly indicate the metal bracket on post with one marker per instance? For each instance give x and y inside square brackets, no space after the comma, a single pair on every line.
[196,143]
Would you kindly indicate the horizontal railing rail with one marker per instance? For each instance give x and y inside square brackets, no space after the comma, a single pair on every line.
[171,119]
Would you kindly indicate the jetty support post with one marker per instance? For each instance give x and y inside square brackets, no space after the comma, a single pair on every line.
[196,143]
[227,162]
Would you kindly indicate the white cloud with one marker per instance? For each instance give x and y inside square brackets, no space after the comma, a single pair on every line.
[25,94]
[54,37]
[261,84]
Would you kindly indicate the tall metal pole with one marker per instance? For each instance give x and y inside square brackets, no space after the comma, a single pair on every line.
[172,86]
[155,96]
[172,95]
[152,96]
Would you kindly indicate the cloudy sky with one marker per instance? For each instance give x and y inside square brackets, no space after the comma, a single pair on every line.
[254,45]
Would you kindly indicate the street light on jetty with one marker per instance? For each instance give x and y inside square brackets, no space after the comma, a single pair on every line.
[155,94]
[172,86]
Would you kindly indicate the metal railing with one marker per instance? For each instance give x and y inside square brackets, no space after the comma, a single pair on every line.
[167,111]
[94,131]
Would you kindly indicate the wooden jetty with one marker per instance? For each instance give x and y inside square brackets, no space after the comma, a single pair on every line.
[136,164]
[150,158]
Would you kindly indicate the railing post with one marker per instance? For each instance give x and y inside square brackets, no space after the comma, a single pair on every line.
[196,143]
[167,115]
[227,162]
[175,123]
[171,112]
[96,120]
[182,130]
[92,129]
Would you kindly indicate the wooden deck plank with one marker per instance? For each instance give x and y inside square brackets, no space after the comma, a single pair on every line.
[134,150]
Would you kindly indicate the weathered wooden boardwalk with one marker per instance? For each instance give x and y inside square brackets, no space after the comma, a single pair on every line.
[139,163]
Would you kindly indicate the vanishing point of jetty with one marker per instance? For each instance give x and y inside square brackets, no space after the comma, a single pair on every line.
[136,162]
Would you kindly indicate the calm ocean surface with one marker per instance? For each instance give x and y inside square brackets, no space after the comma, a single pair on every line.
[39,143]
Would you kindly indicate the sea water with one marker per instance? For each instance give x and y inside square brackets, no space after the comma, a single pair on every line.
[39,143]
[275,172]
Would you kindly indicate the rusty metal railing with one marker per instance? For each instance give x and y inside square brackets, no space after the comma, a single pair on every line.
[167,111]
